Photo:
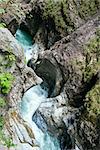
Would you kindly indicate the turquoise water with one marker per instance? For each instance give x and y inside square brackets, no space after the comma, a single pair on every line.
[33,98]
[26,42]
[24,38]
[30,102]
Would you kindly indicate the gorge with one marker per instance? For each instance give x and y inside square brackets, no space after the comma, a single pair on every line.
[50,75]
[32,100]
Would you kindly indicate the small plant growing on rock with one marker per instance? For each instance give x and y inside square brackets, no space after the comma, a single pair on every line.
[2,102]
[6,80]
[2,25]
[6,141]
[11,58]
[9,143]
[1,123]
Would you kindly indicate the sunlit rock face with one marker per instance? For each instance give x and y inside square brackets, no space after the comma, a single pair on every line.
[12,62]
[76,80]
[50,20]
[70,54]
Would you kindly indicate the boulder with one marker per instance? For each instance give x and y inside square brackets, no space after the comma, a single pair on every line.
[77,105]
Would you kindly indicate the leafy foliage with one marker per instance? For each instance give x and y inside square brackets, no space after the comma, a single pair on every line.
[6,82]
[2,25]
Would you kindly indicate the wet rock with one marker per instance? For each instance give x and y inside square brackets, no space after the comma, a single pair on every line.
[58,19]
[74,55]
[12,63]
[50,74]
[70,56]
[15,12]
[39,121]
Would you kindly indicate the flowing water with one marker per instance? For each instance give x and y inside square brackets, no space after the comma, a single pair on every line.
[32,99]
[27,43]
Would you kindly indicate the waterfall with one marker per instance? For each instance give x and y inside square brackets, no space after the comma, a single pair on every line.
[33,98]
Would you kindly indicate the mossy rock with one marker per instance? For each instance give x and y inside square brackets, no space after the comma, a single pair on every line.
[92,52]
[93,104]
[66,13]
[88,8]
[6,80]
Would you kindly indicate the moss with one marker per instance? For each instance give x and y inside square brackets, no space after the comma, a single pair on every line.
[54,10]
[1,122]
[7,141]
[7,60]
[93,103]
[2,102]
[92,52]
[88,8]
[11,59]
[6,80]
[65,13]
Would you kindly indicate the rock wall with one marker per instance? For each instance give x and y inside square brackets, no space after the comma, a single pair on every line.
[48,21]
[15,79]
[77,107]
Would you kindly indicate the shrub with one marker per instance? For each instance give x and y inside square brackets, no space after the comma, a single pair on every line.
[6,80]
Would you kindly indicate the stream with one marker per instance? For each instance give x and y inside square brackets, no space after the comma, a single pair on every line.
[33,98]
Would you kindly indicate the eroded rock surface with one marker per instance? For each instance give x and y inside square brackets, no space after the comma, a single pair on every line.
[75,61]
[12,64]
[78,60]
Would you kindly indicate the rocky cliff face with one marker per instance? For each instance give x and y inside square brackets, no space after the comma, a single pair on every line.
[48,21]
[77,107]
[15,79]
[70,68]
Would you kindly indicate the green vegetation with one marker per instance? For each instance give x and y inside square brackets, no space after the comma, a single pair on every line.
[53,10]
[3,6]
[11,58]
[1,122]
[65,13]
[6,80]
[7,60]
[2,102]
[92,100]
[92,51]
[7,141]
[88,8]
[93,103]
[2,25]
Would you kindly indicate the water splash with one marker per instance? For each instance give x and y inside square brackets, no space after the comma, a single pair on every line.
[26,42]
[30,103]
